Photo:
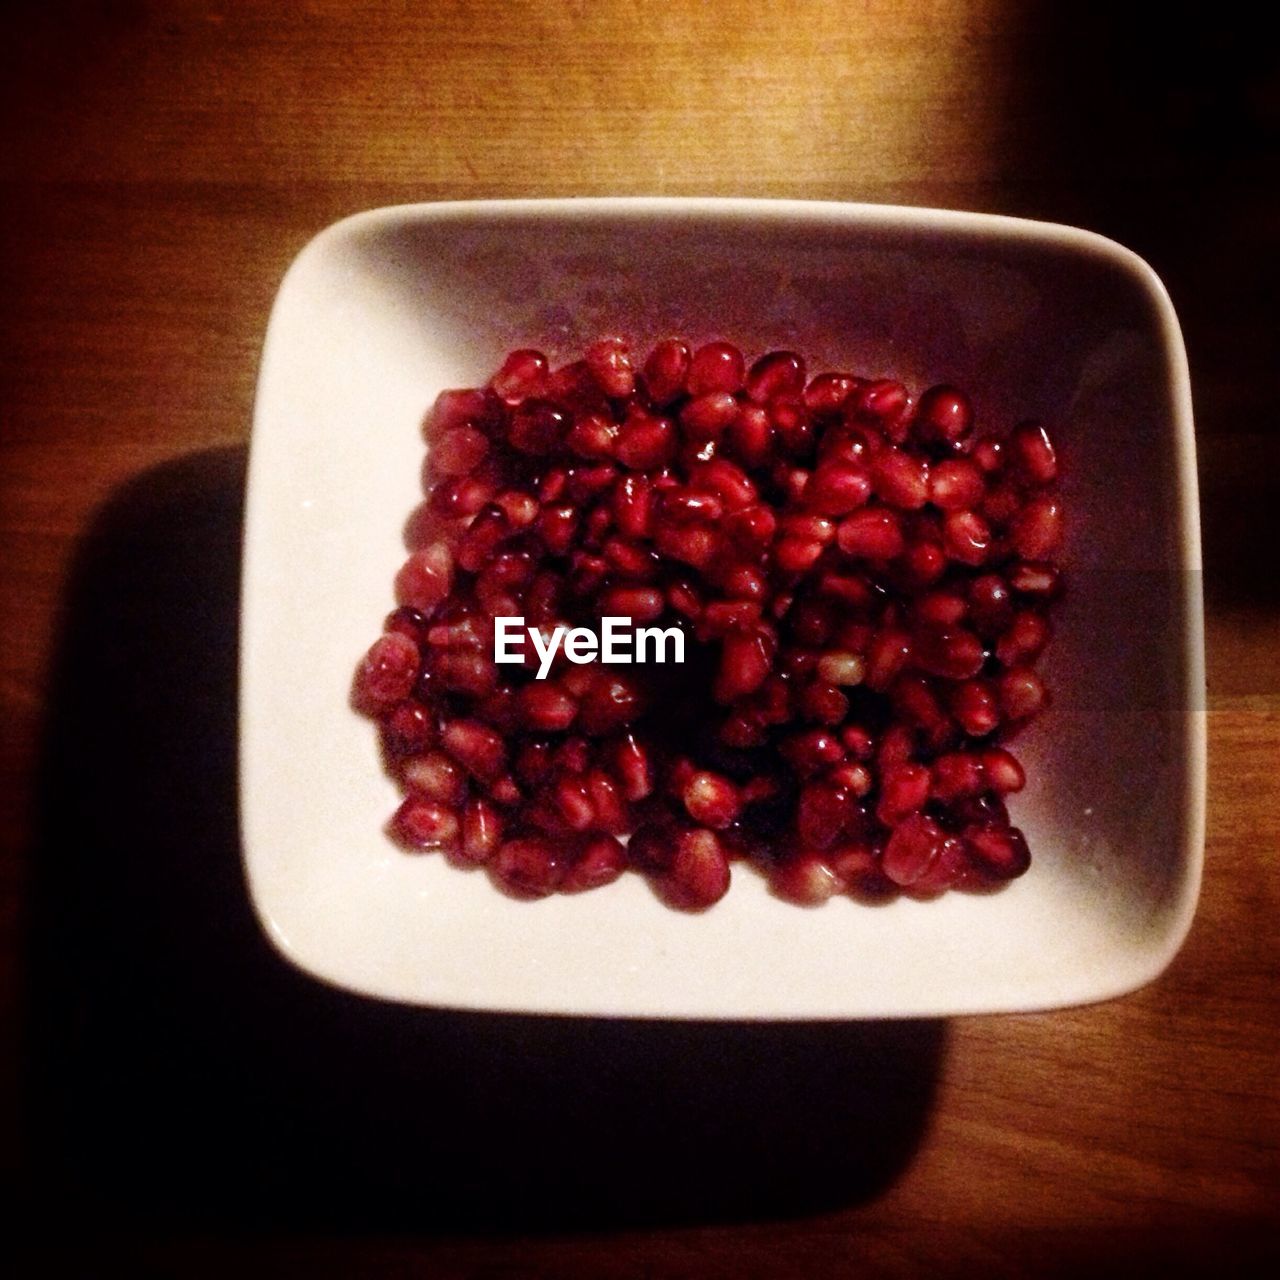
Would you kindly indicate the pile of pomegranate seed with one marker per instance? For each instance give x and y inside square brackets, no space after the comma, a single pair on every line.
[862,580]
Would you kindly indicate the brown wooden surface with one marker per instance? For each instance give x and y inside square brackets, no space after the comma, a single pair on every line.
[172,1095]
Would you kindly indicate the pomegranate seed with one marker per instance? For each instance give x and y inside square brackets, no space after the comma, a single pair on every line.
[711,800]
[424,824]
[779,373]
[645,442]
[521,509]
[457,409]
[699,873]
[601,862]
[610,363]
[1026,635]
[425,579]
[482,539]
[828,392]
[458,451]
[883,404]
[957,774]
[966,536]
[706,416]
[481,831]
[652,845]
[940,609]
[975,705]
[1028,578]
[1037,528]
[858,869]
[465,671]
[1022,693]
[530,865]
[857,741]
[943,416]
[1000,851]
[956,484]
[546,707]
[718,366]
[949,869]
[912,849]
[573,802]
[836,488]
[812,751]
[750,435]
[745,660]
[522,375]
[389,671]
[952,654]
[606,799]
[904,789]
[988,453]
[665,371]
[1033,454]
[824,813]
[1003,773]
[612,703]
[410,728]
[872,533]
[842,668]
[434,776]
[538,427]
[854,778]
[476,747]
[990,604]
[887,654]
[806,879]
[592,435]
[900,479]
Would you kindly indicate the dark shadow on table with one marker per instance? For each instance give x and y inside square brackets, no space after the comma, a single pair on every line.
[1161,129]
[182,1076]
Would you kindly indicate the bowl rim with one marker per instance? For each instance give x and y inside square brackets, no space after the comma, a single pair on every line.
[871,216]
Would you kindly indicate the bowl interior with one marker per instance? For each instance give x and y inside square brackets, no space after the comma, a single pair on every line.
[383,311]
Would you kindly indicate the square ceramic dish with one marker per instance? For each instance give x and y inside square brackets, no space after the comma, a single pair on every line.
[384,310]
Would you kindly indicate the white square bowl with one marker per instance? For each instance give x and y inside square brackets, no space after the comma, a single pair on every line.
[383,310]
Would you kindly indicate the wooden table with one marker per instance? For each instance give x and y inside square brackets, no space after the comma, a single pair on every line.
[178,1098]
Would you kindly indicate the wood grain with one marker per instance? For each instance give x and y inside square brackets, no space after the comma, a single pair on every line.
[162,163]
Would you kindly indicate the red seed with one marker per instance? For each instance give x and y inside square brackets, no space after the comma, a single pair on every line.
[1039,581]
[940,609]
[956,484]
[457,408]
[774,374]
[409,728]
[388,672]
[745,660]
[699,873]
[824,813]
[538,427]
[976,707]
[954,654]
[836,488]
[750,435]
[434,776]
[944,416]
[611,703]
[812,751]
[904,788]
[593,435]
[458,451]
[966,537]
[610,363]
[1033,454]
[426,578]
[912,849]
[475,746]
[1000,851]
[645,442]
[481,830]
[1037,529]
[1022,693]
[828,392]
[806,879]
[711,800]
[482,539]
[601,861]
[718,366]
[532,866]
[872,533]
[957,774]
[1002,771]
[988,453]
[1024,638]
[706,416]
[424,824]
[884,405]
[665,370]
[887,654]
[545,706]
[900,479]
[573,802]
[990,604]
[522,375]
